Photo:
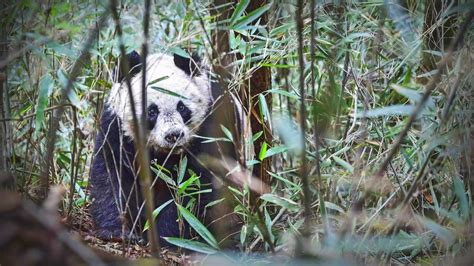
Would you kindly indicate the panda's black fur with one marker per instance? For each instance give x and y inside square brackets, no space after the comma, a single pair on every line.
[114,166]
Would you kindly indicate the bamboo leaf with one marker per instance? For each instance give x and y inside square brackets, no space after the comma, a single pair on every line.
[462,197]
[45,89]
[163,176]
[264,110]
[263,151]
[343,163]
[198,226]
[180,51]
[275,150]
[191,245]
[238,11]
[182,169]
[280,201]
[165,91]
[155,214]
[252,16]
[392,110]
[227,133]
[157,80]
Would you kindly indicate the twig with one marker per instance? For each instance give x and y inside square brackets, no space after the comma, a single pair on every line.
[21,118]
[317,131]
[73,162]
[145,177]
[303,171]
[142,152]
[429,89]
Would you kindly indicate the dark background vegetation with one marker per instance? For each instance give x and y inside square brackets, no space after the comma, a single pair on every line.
[357,119]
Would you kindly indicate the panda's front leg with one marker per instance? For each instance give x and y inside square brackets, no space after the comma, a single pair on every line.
[107,208]
[111,183]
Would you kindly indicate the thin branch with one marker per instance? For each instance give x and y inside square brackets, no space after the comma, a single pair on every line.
[143,155]
[429,89]
[312,48]
[145,177]
[303,170]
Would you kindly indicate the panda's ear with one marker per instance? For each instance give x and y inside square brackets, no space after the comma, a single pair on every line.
[134,66]
[190,65]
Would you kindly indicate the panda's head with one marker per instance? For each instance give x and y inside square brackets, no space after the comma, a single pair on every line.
[178,99]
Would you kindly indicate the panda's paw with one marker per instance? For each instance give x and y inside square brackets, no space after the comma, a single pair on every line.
[116,235]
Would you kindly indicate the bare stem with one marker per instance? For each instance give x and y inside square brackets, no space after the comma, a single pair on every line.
[142,152]
[303,170]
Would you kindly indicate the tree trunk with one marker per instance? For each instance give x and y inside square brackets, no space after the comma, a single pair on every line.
[5,125]
[259,82]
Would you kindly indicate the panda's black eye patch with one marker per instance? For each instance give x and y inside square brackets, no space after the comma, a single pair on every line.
[152,115]
[183,111]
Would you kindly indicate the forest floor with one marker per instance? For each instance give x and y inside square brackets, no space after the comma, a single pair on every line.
[33,234]
[81,224]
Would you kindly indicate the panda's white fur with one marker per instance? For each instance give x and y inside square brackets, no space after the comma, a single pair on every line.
[196,91]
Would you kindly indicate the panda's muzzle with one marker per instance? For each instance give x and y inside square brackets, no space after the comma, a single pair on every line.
[173,136]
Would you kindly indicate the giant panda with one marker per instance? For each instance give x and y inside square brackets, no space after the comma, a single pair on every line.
[177,112]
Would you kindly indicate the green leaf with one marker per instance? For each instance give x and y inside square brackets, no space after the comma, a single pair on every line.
[45,89]
[155,214]
[268,225]
[243,234]
[185,184]
[333,206]
[257,136]
[277,65]
[392,110]
[180,51]
[160,173]
[210,140]
[191,245]
[182,169]
[238,11]
[343,163]
[462,197]
[215,202]
[227,133]
[440,231]
[282,29]
[198,226]
[413,95]
[276,150]
[280,201]
[251,162]
[157,80]
[165,91]
[201,191]
[244,21]
[286,181]
[263,151]
[264,111]
[72,96]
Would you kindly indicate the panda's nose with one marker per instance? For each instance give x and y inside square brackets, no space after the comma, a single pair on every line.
[173,136]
